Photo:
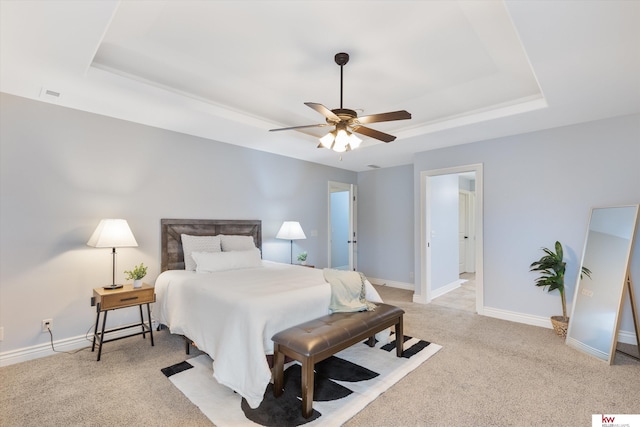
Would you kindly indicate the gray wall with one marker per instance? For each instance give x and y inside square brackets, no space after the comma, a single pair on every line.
[385,223]
[538,188]
[63,170]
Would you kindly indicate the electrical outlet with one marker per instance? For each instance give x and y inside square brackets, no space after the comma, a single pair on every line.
[47,324]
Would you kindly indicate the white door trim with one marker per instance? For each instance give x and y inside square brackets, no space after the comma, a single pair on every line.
[425,231]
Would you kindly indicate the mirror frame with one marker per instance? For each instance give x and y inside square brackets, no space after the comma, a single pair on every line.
[618,289]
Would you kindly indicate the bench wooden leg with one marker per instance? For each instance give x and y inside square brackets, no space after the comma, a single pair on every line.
[307,387]
[399,338]
[278,371]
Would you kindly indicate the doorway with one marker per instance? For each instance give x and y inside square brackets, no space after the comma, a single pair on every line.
[441,196]
[342,226]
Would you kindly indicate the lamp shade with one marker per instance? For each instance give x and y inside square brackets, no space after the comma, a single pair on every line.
[291,230]
[112,233]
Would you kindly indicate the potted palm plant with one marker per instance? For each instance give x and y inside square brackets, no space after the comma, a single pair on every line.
[552,267]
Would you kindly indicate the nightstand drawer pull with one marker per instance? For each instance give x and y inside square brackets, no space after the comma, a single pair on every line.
[128,299]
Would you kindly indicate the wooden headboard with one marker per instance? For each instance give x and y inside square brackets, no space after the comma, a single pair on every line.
[172,256]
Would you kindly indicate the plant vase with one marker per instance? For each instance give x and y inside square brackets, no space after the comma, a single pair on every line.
[303,262]
[560,325]
[137,283]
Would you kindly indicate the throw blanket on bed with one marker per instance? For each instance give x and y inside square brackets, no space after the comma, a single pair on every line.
[347,291]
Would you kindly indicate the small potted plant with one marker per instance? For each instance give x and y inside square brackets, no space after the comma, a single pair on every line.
[136,275]
[302,257]
[552,267]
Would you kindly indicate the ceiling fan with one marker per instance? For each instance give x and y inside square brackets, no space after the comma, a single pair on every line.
[346,121]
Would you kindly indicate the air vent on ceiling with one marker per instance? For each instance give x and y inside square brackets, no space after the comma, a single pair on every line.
[373,166]
[49,95]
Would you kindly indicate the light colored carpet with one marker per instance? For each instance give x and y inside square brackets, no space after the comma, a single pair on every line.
[489,372]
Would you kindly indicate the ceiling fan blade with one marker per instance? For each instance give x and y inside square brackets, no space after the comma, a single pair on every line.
[301,127]
[384,117]
[374,133]
[323,110]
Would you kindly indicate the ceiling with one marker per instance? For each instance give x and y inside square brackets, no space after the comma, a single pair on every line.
[231,70]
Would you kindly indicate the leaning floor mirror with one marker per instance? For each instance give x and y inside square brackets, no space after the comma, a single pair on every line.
[598,299]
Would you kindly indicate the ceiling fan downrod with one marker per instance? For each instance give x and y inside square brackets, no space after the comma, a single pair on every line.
[341,59]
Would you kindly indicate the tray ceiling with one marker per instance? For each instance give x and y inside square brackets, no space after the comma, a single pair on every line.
[229,70]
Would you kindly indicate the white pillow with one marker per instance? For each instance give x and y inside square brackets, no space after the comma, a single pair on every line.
[192,244]
[237,243]
[209,262]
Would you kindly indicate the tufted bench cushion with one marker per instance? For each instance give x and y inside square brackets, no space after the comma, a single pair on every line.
[315,340]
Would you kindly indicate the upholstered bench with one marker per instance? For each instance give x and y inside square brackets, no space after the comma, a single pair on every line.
[316,340]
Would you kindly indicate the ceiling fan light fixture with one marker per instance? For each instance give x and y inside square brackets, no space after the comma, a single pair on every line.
[342,141]
[327,140]
[354,141]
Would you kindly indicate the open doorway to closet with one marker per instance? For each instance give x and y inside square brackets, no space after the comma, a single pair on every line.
[451,238]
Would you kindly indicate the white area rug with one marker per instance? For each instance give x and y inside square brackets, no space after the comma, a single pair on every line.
[345,384]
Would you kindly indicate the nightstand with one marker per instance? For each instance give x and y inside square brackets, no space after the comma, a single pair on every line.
[114,299]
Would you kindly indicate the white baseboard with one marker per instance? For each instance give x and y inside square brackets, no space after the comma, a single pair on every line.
[627,337]
[446,288]
[419,299]
[513,316]
[392,284]
[42,350]
[587,349]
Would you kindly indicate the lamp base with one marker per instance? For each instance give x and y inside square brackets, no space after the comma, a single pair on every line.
[112,286]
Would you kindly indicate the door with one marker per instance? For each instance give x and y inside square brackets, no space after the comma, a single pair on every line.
[342,226]
[463,231]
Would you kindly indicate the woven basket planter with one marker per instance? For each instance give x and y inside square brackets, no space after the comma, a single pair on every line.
[560,325]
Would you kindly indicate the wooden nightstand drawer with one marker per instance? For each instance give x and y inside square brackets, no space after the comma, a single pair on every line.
[125,297]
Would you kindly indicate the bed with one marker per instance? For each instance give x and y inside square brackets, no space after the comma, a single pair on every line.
[232,313]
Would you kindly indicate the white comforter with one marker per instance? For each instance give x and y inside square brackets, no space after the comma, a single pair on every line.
[232,315]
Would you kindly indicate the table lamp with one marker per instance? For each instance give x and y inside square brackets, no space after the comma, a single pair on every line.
[291,230]
[112,233]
